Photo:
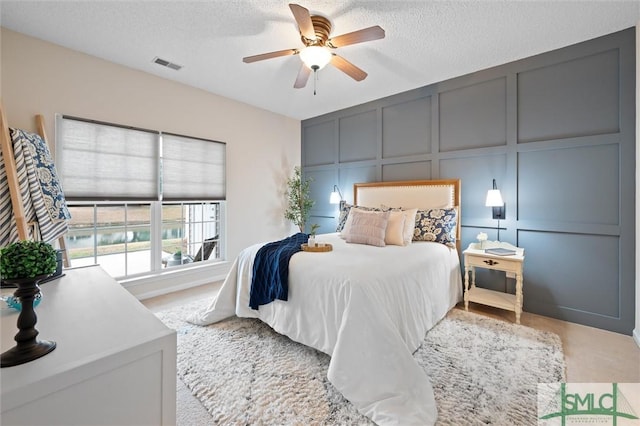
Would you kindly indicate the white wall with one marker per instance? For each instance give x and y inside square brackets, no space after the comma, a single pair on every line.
[38,77]
[636,331]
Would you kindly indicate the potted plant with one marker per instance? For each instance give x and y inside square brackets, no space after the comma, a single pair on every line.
[299,203]
[24,263]
[179,259]
[27,260]
[312,235]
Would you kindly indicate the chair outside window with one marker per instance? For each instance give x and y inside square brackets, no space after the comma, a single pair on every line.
[204,253]
[207,248]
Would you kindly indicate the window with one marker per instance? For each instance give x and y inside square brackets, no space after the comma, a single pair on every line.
[119,236]
[141,201]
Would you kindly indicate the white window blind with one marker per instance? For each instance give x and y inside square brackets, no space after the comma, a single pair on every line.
[99,161]
[192,169]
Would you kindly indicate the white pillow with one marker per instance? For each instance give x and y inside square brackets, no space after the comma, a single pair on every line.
[395,232]
[409,222]
[367,227]
[409,225]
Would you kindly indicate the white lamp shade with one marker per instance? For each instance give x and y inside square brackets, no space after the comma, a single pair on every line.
[315,56]
[494,198]
[334,198]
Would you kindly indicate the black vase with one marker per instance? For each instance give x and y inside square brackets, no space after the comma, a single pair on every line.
[27,346]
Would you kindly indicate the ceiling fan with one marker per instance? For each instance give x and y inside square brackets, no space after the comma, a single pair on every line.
[318,47]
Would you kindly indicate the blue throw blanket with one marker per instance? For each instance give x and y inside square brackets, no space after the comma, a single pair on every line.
[271,270]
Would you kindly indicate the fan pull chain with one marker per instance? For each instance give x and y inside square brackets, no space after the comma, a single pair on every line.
[315,69]
[315,81]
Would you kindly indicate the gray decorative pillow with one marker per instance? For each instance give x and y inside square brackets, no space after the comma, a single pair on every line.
[437,225]
[368,227]
[344,214]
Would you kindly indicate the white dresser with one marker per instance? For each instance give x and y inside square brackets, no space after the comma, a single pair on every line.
[114,364]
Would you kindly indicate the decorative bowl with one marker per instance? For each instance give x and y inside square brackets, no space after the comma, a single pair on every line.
[14,302]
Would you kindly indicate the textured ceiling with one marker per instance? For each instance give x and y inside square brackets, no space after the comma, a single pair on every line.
[426,41]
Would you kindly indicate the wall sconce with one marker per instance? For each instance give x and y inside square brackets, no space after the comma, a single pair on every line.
[494,199]
[336,195]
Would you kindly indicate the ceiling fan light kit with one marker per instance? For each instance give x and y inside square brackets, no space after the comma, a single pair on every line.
[315,57]
[318,47]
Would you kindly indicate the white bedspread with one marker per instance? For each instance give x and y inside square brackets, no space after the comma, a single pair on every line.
[368,308]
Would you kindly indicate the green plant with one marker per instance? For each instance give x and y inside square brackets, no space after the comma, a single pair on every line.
[27,259]
[299,204]
[314,228]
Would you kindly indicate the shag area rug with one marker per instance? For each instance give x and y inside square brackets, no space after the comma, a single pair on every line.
[483,371]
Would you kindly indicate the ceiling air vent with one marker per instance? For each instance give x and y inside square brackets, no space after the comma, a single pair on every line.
[166,63]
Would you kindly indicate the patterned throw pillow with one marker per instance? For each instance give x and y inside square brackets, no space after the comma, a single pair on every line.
[344,214]
[437,225]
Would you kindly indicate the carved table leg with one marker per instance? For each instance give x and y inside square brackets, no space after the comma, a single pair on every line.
[518,306]
[473,277]
[466,288]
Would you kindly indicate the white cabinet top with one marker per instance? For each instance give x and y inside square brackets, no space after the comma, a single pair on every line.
[93,320]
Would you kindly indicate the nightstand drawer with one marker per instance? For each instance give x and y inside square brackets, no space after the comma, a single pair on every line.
[500,264]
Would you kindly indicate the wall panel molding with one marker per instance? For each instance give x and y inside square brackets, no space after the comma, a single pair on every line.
[406,128]
[556,131]
[578,97]
[482,107]
[358,137]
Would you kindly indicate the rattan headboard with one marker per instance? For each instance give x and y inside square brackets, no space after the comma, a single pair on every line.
[423,194]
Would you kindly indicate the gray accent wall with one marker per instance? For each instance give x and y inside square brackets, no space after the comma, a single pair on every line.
[556,131]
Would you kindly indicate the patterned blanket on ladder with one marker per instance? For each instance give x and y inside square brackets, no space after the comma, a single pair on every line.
[40,189]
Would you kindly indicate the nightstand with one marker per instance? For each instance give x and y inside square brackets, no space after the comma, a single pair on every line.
[476,257]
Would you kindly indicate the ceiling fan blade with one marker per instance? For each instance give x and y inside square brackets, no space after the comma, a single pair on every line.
[348,68]
[366,34]
[269,55]
[303,19]
[303,77]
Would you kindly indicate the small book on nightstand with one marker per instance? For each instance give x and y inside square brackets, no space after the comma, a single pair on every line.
[500,251]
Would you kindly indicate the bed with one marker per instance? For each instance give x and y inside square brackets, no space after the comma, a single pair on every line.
[367,307]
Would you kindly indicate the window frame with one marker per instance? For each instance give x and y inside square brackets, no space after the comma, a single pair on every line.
[155,226]
[156,205]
